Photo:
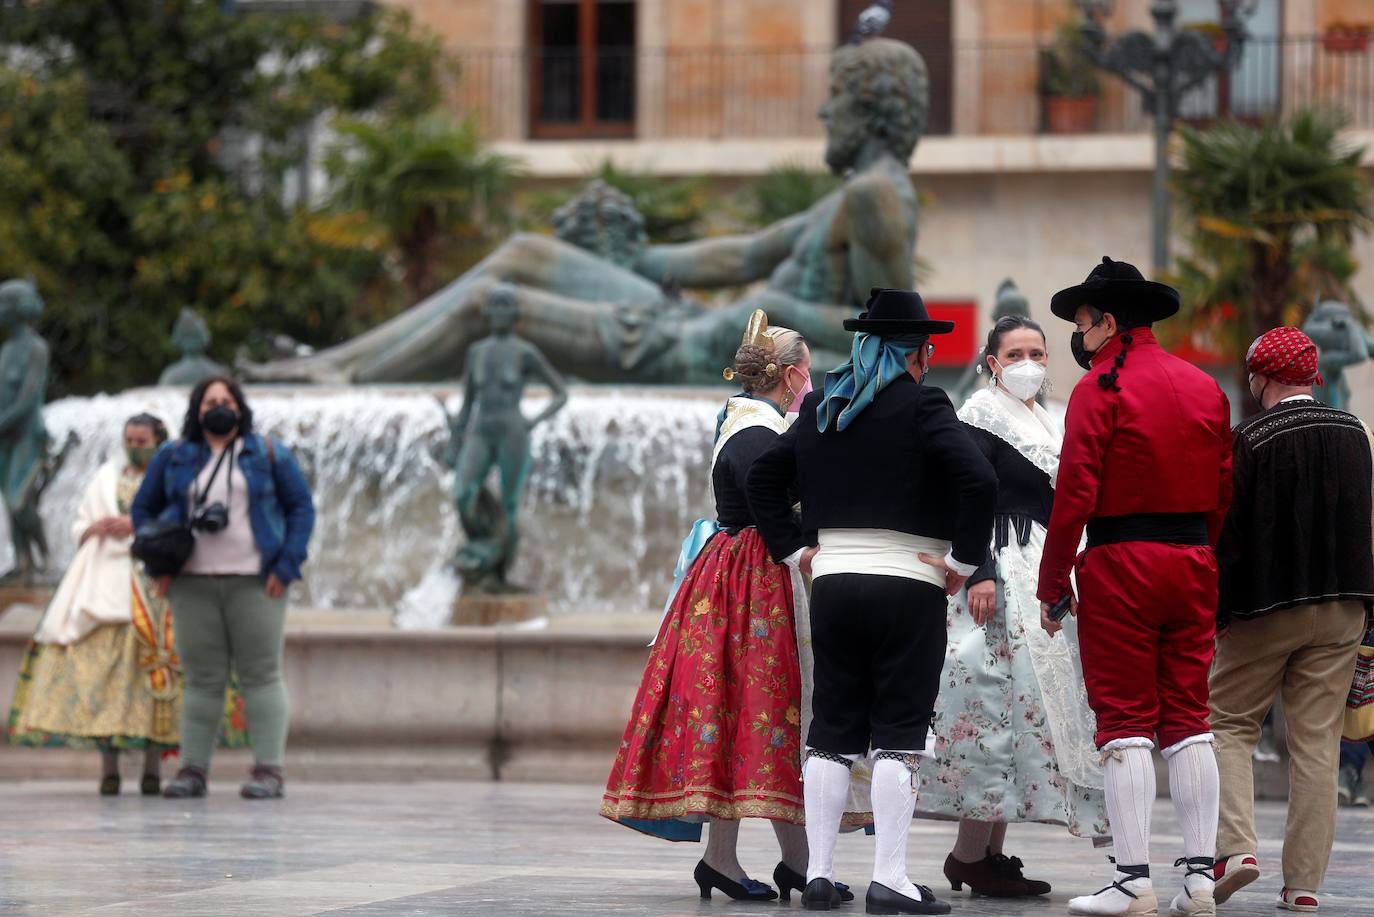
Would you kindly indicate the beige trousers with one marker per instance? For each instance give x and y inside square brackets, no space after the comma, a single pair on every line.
[1306,655]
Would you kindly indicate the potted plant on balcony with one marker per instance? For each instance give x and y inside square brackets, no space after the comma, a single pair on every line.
[1068,83]
[1346,37]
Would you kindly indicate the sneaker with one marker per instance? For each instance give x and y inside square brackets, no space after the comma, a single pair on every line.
[1267,749]
[1298,899]
[1360,797]
[1234,873]
[266,783]
[1347,785]
[189,783]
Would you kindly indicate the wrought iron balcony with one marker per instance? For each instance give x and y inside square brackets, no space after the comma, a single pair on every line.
[723,93]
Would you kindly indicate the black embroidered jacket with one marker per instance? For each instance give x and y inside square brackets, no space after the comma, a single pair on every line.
[1299,529]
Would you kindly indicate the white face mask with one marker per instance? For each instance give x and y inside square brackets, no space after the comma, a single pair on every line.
[1022,380]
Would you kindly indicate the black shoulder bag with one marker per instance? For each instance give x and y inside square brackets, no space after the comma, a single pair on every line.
[164,545]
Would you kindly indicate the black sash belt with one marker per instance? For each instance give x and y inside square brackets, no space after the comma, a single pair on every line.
[1166,528]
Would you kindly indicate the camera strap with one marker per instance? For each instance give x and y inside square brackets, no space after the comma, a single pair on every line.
[228,452]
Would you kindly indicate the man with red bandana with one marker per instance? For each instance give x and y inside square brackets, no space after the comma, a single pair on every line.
[1297,570]
[1145,469]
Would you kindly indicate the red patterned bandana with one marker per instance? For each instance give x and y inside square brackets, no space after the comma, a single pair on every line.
[1285,355]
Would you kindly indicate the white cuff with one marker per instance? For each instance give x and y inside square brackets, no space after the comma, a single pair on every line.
[1191,740]
[964,570]
[793,559]
[1130,742]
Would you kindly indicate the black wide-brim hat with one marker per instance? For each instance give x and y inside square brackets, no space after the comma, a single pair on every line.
[891,313]
[1119,288]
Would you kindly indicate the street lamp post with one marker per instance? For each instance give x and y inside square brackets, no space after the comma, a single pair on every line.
[1163,67]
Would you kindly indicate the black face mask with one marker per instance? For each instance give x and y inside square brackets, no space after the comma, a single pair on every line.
[1082,355]
[220,420]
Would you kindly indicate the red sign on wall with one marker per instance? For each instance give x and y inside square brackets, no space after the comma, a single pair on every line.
[959,347]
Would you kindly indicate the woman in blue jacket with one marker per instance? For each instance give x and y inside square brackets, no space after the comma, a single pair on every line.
[251,511]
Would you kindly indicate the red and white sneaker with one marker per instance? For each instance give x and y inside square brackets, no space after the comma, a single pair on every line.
[1234,873]
[1298,899]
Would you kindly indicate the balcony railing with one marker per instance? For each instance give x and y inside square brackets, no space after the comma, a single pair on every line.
[748,93]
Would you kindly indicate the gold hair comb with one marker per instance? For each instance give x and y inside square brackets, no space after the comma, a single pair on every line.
[756,332]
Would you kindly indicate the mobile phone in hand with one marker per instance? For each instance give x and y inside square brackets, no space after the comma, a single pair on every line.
[1060,609]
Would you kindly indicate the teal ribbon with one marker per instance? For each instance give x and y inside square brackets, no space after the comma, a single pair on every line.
[874,363]
[703,530]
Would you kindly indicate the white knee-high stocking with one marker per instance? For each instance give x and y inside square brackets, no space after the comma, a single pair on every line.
[1196,788]
[1129,784]
[894,799]
[825,785]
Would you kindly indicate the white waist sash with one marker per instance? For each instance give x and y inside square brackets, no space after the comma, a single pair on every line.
[879,552]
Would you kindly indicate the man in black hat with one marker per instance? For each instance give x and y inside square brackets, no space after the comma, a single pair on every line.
[1146,469]
[902,501]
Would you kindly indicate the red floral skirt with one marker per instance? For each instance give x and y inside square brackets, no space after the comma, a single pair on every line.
[715,729]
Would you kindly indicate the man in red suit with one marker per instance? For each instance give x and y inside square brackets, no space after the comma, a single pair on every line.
[1145,469]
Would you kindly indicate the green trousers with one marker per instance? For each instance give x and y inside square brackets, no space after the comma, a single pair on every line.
[219,621]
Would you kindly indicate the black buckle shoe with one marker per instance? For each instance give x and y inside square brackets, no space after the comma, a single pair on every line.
[883,900]
[788,881]
[821,895]
[748,890]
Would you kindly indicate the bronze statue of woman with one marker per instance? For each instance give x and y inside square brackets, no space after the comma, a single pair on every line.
[23,437]
[490,431]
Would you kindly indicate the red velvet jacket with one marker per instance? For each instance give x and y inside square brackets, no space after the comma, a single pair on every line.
[1162,444]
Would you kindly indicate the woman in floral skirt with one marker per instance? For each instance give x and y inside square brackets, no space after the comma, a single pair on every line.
[1014,730]
[714,733]
[102,671]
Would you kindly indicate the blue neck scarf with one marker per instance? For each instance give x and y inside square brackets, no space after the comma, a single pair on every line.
[874,363]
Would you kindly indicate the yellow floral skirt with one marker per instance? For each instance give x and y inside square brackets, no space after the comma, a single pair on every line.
[120,687]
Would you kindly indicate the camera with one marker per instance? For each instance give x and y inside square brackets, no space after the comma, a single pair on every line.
[212,518]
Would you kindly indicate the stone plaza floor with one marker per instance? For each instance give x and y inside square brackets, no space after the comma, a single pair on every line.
[489,848]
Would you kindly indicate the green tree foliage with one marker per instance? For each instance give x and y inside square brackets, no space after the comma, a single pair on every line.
[1271,212]
[426,187]
[146,147]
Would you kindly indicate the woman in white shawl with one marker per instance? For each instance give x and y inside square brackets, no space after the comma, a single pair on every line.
[1014,733]
[101,671]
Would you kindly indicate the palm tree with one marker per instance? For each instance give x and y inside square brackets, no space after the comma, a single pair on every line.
[1271,212]
[429,185]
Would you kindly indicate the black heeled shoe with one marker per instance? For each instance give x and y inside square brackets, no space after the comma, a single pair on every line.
[883,900]
[787,880]
[820,895]
[109,786]
[150,785]
[748,890]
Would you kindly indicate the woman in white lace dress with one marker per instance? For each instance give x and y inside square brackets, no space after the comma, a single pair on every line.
[1014,730]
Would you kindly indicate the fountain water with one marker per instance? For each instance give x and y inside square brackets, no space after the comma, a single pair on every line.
[617,479]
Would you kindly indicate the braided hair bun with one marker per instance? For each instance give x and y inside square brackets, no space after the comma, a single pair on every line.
[757,368]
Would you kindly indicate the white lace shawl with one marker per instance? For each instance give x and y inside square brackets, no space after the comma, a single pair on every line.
[1056,660]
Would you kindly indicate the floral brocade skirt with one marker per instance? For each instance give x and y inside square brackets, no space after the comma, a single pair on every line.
[715,730]
[119,687]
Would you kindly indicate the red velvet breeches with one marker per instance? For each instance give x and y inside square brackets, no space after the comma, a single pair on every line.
[1146,624]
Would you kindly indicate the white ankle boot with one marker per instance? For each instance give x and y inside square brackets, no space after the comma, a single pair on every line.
[1126,895]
